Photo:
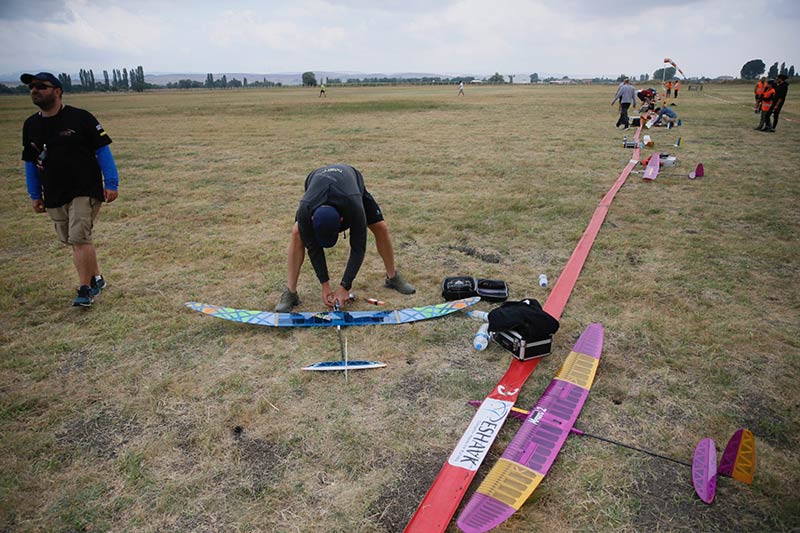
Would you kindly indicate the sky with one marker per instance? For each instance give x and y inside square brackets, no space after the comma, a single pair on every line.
[578,38]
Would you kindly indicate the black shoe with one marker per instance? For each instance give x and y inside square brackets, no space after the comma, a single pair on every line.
[289,300]
[399,284]
[97,285]
[84,297]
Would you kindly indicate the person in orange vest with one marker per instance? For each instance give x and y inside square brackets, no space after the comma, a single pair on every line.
[668,86]
[761,86]
[677,87]
[767,101]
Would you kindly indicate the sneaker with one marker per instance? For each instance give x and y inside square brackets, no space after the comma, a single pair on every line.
[84,297]
[399,284]
[289,299]
[97,285]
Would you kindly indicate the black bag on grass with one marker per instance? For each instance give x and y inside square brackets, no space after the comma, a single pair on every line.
[458,287]
[525,317]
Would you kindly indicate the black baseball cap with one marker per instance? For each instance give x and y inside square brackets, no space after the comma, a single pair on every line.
[326,225]
[42,76]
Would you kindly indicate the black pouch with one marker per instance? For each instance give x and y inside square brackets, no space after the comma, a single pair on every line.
[458,287]
[492,290]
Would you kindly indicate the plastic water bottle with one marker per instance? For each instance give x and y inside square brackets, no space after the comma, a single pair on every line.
[480,316]
[542,281]
[481,340]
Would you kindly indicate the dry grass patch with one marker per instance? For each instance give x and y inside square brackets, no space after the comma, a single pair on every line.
[141,415]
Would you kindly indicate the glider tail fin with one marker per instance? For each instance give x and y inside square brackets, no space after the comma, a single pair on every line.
[739,459]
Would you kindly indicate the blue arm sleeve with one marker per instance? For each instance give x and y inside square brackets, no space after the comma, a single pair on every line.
[108,166]
[32,181]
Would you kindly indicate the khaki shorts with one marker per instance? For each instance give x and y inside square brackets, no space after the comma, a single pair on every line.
[74,220]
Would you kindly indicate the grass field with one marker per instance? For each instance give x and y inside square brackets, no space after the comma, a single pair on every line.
[141,415]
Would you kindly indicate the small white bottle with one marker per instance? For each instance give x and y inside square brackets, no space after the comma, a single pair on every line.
[542,281]
[481,340]
[480,316]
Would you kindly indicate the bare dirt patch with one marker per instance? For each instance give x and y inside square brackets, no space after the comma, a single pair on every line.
[398,501]
[102,433]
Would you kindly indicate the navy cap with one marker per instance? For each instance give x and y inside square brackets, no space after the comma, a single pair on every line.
[326,225]
[42,76]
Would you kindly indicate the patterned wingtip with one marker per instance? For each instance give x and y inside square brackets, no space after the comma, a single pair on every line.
[591,340]
[483,513]
[739,459]
[202,308]
[704,470]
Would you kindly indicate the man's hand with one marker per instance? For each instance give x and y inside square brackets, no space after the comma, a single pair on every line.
[328,296]
[109,195]
[342,296]
[38,206]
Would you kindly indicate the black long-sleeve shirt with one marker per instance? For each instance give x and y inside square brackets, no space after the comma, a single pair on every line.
[342,187]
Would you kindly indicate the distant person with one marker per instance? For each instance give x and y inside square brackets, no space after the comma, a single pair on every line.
[665,115]
[767,100]
[758,92]
[668,87]
[322,91]
[647,96]
[336,200]
[781,87]
[626,94]
[676,87]
[69,171]
[461,89]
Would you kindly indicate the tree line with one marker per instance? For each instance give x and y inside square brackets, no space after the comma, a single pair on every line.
[120,80]
[755,68]
[220,83]
[133,79]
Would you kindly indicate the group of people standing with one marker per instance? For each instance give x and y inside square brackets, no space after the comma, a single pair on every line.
[626,95]
[770,96]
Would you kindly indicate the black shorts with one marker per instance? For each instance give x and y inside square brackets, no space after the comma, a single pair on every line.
[372,209]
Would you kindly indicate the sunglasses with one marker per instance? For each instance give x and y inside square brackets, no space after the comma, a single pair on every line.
[40,86]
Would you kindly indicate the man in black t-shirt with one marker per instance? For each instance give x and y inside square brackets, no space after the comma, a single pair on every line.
[69,171]
[781,87]
[336,200]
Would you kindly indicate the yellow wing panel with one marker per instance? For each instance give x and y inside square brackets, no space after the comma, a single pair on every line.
[510,483]
[579,369]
